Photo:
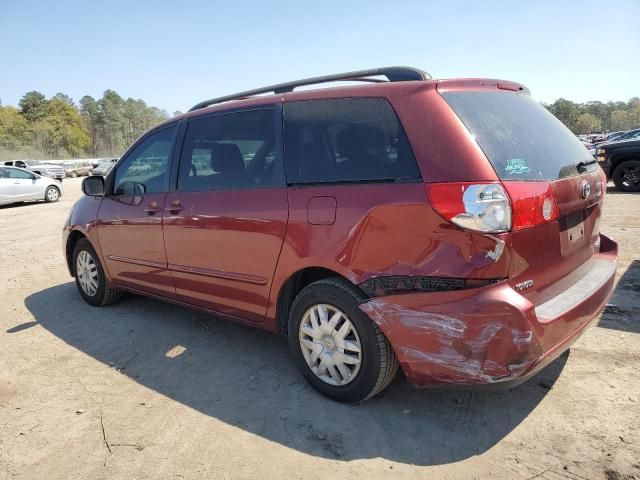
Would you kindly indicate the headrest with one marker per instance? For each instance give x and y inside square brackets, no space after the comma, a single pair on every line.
[226,158]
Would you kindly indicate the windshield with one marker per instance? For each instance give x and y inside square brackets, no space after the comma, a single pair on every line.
[521,139]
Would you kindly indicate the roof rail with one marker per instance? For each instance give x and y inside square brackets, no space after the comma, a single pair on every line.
[393,74]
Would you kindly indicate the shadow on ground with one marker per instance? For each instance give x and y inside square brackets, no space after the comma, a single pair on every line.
[622,312]
[244,377]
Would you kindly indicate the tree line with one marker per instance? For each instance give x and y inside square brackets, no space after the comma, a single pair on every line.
[57,127]
[597,116]
[105,127]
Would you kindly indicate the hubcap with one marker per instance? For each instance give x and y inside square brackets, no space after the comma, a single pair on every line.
[87,273]
[330,344]
[631,177]
[52,194]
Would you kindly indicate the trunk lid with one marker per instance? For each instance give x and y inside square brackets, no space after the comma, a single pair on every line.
[525,143]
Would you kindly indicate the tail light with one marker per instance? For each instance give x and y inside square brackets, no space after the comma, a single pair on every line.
[494,207]
[483,207]
[533,203]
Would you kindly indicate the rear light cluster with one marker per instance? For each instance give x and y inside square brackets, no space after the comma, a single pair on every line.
[494,207]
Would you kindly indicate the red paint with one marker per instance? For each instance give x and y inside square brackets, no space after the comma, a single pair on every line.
[232,252]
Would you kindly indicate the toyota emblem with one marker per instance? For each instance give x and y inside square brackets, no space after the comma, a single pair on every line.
[586,189]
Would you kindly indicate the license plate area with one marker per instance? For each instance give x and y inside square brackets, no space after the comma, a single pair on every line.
[573,231]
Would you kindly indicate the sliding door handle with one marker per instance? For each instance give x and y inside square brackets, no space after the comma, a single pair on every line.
[152,208]
[175,207]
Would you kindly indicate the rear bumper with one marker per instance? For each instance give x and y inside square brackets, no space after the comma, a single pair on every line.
[491,335]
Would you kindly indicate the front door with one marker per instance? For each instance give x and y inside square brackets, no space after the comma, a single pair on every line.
[25,185]
[130,216]
[6,186]
[225,224]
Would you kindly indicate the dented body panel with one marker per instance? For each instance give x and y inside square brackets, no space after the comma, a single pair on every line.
[485,335]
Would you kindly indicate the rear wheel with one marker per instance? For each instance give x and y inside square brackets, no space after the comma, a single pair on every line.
[626,176]
[51,194]
[74,174]
[338,349]
[90,277]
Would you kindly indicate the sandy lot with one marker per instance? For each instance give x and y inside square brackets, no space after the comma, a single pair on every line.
[178,394]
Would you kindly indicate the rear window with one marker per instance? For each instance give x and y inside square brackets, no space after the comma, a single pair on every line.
[345,140]
[521,139]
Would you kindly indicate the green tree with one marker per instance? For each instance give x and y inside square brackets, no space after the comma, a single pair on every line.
[94,120]
[566,111]
[65,98]
[33,106]
[620,120]
[13,127]
[61,131]
[587,123]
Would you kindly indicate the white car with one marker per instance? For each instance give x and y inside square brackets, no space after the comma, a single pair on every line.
[20,185]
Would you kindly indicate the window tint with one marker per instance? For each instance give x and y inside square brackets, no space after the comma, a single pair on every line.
[521,139]
[147,163]
[345,140]
[229,152]
[15,173]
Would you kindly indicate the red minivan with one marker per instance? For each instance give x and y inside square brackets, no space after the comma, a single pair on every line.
[450,227]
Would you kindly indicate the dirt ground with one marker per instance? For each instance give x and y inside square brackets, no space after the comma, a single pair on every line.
[142,389]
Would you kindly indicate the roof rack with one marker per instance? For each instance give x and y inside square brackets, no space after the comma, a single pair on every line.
[393,74]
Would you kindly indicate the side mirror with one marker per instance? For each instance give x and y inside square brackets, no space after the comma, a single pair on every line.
[93,186]
[131,189]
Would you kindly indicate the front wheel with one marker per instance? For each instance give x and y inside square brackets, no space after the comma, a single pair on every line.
[90,277]
[338,349]
[52,194]
[626,176]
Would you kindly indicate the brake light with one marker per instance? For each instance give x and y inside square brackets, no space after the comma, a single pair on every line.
[483,207]
[533,203]
[494,207]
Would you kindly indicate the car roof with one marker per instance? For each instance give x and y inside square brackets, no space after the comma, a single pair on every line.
[382,89]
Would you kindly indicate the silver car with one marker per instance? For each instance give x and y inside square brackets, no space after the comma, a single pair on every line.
[45,169]
[20,185]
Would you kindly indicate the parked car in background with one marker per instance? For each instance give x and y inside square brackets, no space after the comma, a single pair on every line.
[45,169]
[105,167]
[621,162]
[98,161]
[20,185]
[449,227]
[77,168]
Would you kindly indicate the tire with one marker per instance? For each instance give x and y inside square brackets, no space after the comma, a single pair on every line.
[51,194]
[74,175]
[102,295]
[626,176]
[378,363]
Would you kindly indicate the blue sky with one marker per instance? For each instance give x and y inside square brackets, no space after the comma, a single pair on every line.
[173,54]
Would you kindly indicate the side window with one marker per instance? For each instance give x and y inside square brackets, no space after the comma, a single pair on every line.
[345,140]
[147,164]
[21,174]
[21,164]
[230,151]
[3,173]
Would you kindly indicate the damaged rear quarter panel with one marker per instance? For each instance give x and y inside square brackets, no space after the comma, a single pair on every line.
[469,336]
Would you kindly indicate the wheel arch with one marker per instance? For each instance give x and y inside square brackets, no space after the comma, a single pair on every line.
[617,160]
[72,240]
[296,282]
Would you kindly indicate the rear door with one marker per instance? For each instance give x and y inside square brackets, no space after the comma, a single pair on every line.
[224,226]
[531,150]
[129,221]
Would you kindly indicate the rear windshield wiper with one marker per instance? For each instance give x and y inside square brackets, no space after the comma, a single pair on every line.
[582,165]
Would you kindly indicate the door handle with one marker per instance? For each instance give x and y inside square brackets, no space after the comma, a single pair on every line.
[175,207]
[152,208]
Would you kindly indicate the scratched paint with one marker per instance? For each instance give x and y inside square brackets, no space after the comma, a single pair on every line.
[450,349]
